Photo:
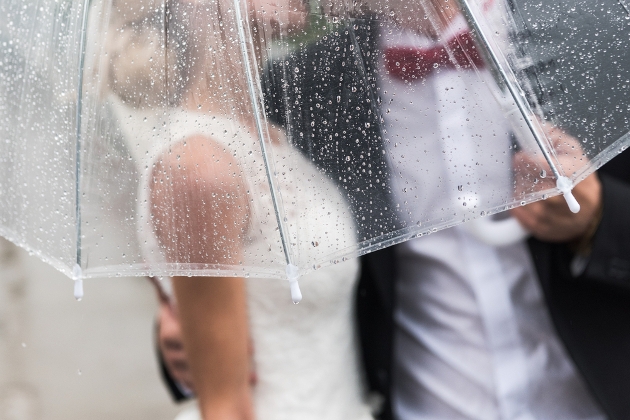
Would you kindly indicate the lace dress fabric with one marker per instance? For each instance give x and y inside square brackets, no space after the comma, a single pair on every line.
[306,355]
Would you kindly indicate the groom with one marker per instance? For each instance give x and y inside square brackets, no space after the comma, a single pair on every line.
[334,102]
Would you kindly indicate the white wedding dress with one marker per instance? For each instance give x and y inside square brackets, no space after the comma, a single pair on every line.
[306,355]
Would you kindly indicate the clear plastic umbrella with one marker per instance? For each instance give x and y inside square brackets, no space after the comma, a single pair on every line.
[257,139]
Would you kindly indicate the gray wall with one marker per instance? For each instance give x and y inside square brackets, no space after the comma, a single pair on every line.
[62,359]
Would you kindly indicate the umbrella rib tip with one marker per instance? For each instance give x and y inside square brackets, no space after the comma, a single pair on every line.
[293,273]
[565,186]
[78,282]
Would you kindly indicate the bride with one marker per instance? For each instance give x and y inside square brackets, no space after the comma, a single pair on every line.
[204,200]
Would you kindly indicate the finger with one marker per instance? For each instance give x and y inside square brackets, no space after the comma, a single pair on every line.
[536,217]
[180,365]
[525,216]
[172,344]
[555,206]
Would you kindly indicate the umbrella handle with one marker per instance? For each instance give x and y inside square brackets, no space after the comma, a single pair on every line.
[497,232]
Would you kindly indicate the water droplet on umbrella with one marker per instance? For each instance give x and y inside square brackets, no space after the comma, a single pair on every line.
[543,173]
[460,188]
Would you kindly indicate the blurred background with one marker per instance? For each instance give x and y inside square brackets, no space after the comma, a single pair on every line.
[63,359]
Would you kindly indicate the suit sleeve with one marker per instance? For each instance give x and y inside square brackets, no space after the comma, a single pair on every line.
[610,256]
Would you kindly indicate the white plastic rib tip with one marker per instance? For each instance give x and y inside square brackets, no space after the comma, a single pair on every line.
[78,282]
[565,186]
[293,273]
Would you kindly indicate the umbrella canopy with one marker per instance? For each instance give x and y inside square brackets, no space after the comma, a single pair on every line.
[235,138]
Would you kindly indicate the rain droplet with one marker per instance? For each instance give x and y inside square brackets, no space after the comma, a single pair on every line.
[315,243]
[460,188]
[543,173]
[297,69]
[79,372]
[436,65]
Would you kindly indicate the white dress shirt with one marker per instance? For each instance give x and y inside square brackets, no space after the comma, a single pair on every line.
[473,336]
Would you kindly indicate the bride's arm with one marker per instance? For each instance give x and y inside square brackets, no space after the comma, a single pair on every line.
[200,214]
[214,323]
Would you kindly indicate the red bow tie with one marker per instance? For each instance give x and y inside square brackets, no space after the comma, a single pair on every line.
[409,63]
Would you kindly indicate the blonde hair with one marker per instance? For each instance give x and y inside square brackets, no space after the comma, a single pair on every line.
[143,69]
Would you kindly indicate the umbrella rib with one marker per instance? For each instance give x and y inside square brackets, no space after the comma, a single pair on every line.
[77,275]
[563,183]
[291,269]
[523,108]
